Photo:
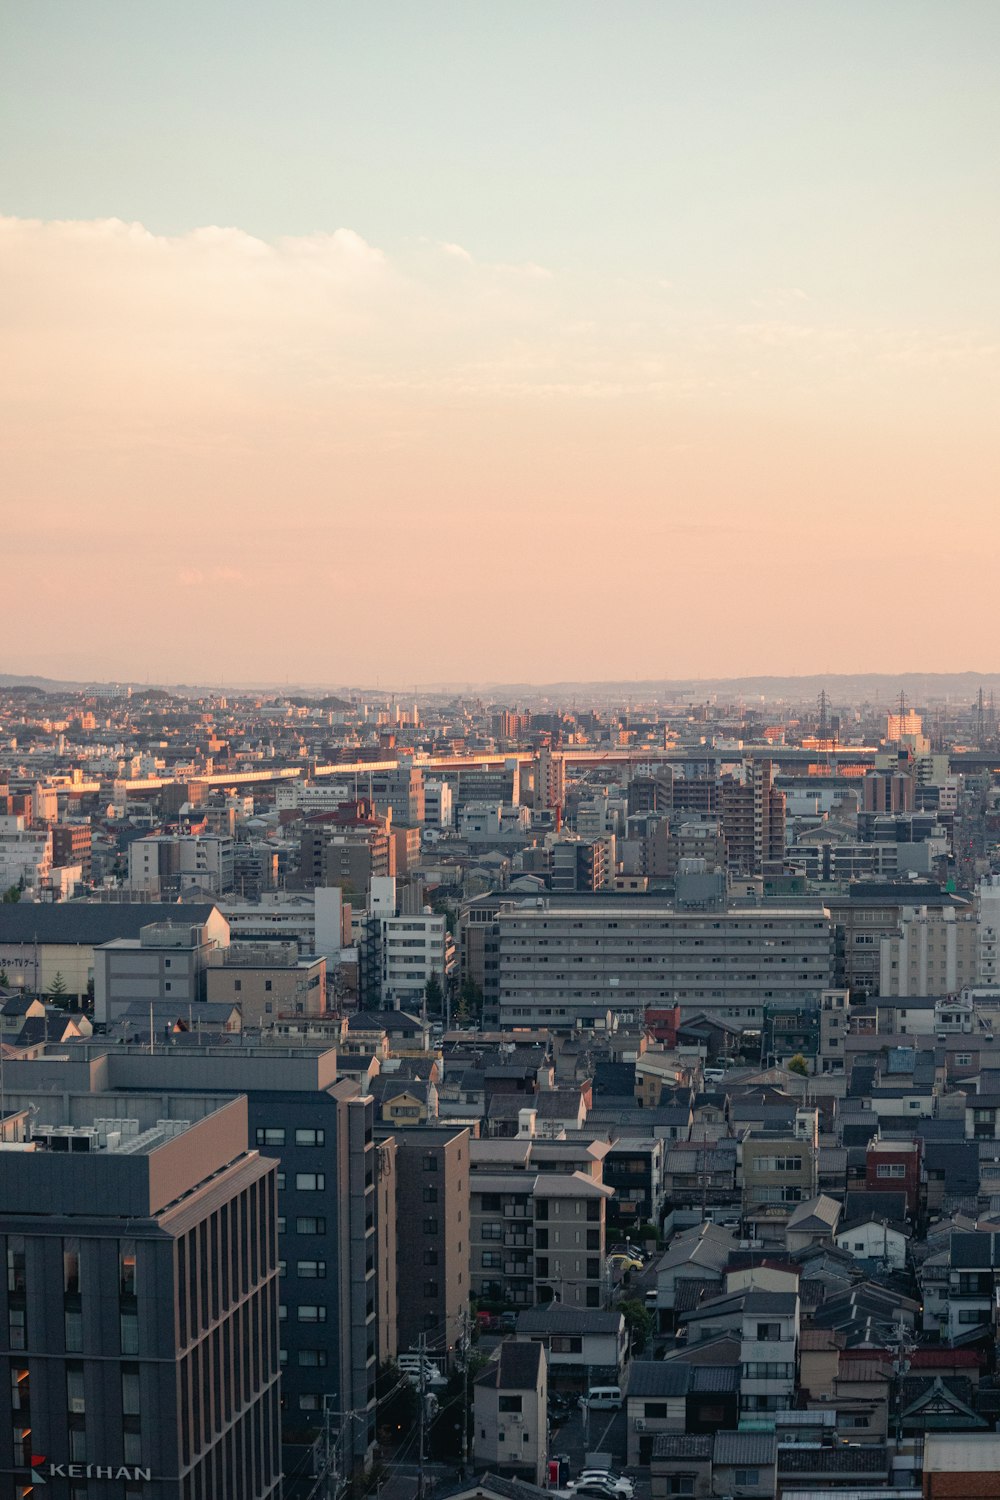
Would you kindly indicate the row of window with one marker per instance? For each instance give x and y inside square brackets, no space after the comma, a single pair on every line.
[269,1136]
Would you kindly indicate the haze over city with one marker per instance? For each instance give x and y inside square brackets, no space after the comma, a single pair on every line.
[510,343]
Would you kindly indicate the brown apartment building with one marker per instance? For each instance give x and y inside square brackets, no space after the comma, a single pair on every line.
[432,1238]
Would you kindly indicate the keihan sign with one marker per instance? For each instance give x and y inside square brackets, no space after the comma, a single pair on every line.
[42,1470]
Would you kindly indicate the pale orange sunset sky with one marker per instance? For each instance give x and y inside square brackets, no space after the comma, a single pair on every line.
[536,342]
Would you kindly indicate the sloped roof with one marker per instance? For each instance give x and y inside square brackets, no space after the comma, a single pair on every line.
[750,1449]
[654,1377]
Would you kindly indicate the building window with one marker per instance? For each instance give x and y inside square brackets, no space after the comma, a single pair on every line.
[430,1195]
[430,1226]
[310,1138]
[310,1226]
[311,1270]
[310,1182]
[890,1169]
[430,1289]
[747,1477]
[430,1162]
[76,1403]
[312,1312]
[71,1267]
[312,1359]
[15,1263]
[509,1403]
[126,1268]
[268,1137]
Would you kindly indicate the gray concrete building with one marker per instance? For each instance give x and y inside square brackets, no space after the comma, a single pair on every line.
[319,1132]
[560,964]
[140,1305]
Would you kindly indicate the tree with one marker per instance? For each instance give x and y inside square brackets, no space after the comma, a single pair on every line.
[11,895]
[798,1064]
[434,996]
[639,1322]
[57,989]
[470,1001]
[4,979]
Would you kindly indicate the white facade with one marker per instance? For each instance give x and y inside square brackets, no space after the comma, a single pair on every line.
[413,948]
[876,1242]
[935,952]
[988,957]
[181,861]
[25,854]
[439,811]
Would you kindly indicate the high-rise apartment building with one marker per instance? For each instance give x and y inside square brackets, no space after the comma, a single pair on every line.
[432,1245]
[139,1318]
[753,818]
[319,1134]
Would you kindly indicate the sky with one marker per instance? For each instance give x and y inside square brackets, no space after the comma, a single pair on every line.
[530,340]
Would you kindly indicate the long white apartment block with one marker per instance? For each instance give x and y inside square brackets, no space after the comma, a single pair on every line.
[559,964]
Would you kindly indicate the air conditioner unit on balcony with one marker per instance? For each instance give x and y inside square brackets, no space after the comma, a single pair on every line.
[640,1424]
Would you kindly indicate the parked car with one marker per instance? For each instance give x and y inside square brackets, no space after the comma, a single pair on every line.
[592,1489]
[622,1487]
[625,1263]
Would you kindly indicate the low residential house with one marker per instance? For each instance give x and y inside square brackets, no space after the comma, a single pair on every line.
[668,1122]
[511,1412]
[937,1403]
[779,1171]
[656,1403]
[702,1171]
[769,1350]
[894,1165]
[633,1166]
[680,1463]
[713,1398]
[819,1361]
[813,1222]
[875,1243]
[402,1101]
[15,1010]
[584,1346]
[831,1467]
[952,1171]
[698,1254]
[743,1465]
[982,1117]
[973,1281]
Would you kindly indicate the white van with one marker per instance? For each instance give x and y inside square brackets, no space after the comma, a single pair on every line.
[604,1397]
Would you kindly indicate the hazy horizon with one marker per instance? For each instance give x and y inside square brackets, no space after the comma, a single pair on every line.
[499,344]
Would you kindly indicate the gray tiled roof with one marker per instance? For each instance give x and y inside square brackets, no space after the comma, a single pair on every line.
[653,1377]
[750,1448]
[696,1445]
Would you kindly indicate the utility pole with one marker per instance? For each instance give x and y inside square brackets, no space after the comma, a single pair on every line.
[422,1346]
[465,1389]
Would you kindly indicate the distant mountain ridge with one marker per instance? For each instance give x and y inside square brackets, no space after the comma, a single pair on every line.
[855,687]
